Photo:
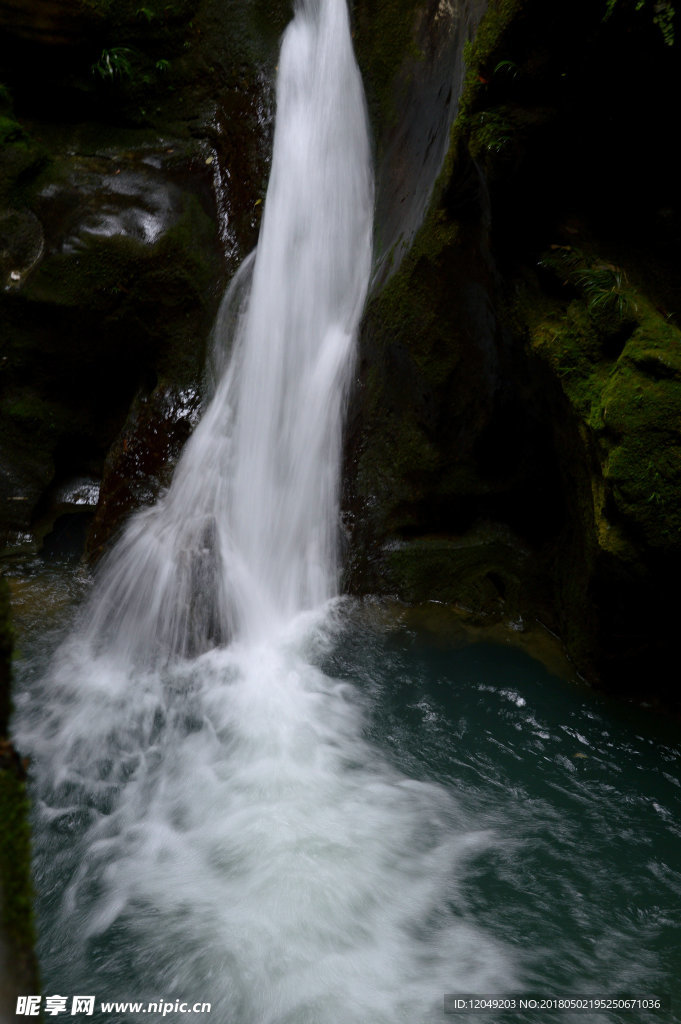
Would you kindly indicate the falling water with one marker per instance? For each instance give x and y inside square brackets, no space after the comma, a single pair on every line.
[246,537]
[215,824]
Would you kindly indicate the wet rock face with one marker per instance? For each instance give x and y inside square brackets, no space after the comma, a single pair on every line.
[110,289]
[435,444]
[109,197]
[49,22]
[412,55]
[497,400]
[135,143]
[140,461]
[613,364]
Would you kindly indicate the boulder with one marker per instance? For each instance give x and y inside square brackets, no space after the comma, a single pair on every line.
[116,292]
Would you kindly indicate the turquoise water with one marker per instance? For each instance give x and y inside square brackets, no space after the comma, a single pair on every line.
[581,793]
[549,815]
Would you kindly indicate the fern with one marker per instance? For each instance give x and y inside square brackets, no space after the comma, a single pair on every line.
[663,15]
[114,64]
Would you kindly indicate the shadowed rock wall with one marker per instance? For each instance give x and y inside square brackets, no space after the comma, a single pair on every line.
[18,966]
[512,442]
[135,145]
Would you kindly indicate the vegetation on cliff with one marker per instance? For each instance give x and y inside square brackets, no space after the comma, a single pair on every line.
[519,374]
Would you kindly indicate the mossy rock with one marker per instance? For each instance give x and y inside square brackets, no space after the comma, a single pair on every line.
[486,573]
[641,428]
[555,415]
[51,22]
[626,398]
[22,159]
[612,372]
[411,57]
[420,344]
[140,62]
[18,965]
[437,441]
[122,296]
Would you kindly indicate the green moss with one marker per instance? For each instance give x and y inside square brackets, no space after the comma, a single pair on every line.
[490,130]
[384,39]
[16,905]
[16,894]
[572,346]
[662,12]
[11,131]
[423,335]
[480,572]
[482,55]
[626,402]
[21,160]
[642,427]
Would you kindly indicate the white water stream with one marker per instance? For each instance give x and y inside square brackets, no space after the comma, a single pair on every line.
[227,834]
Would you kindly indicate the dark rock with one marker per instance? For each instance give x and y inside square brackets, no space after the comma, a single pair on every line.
[412,57]
[135,147]
[120,296]
[532,403]
[21,246]
[140,462]
[18,963]
[50,22]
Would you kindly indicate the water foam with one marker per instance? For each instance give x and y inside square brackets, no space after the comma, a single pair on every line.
[226,831]
[227,820]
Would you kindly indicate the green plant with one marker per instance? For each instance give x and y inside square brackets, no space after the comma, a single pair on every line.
[603,285]
[563,261]
[507,67]
[114,64]
[11,131]
[146,13]
[663,15]
[162,66]
[605,289]
[493,131]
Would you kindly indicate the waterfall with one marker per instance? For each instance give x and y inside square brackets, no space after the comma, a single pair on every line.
[246,536]
[213,823]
